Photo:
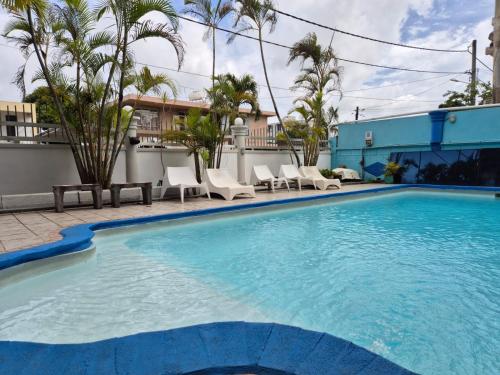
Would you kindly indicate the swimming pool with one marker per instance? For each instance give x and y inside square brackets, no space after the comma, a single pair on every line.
[412,276]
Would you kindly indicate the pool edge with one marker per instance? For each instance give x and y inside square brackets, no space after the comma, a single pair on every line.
[221,347]
[79,237]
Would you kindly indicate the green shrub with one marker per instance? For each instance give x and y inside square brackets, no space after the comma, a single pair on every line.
[327,173]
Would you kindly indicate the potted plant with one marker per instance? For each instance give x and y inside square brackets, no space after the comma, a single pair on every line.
[393,172]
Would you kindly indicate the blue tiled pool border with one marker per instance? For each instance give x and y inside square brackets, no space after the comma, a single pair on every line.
[79,237]
[215,348]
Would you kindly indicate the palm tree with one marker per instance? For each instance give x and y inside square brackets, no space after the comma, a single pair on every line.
[319,76]
[212,16]
[227,96]
[256,15]
[131,26]
[322,74]
[317,119]
[199,136]
[64,37]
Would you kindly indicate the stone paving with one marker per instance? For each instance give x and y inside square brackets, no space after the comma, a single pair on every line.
[26,229]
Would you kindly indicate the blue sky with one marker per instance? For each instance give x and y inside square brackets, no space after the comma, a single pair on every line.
[443,15]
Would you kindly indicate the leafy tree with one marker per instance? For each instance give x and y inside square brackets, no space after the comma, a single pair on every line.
[319,76]
[257,15]
[212,16]
[461,99]
[46,111]
[64,38]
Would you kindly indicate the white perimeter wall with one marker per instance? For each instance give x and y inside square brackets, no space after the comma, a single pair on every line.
[28,169]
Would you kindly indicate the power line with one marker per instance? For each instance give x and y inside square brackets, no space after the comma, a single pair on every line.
[484,64]
[398,84]
[366,37]
[338,58]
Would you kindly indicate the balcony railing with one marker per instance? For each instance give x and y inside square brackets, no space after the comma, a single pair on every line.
[33,133]
[28,132]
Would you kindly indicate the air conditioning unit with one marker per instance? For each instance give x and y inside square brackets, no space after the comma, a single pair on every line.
[369,138]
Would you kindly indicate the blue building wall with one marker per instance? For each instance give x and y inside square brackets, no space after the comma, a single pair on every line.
[473,128]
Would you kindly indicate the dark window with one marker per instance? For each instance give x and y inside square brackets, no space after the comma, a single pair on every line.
[11,130]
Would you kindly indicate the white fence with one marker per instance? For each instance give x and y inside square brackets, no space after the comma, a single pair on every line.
[35,168]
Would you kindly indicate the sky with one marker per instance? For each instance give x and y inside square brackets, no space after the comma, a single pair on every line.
[445,24]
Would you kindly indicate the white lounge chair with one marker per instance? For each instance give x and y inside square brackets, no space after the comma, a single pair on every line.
[219,181]
[291,173]
[182,178]
[262,173]
[319,181]
[347,174]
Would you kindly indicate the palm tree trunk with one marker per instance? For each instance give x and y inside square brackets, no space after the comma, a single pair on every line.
[213,57]
[197,166]
[274,101]
[110,163]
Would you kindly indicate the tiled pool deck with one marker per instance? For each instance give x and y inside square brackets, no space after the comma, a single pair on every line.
[26,229]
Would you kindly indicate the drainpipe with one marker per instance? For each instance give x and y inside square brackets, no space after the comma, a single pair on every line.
[437,130]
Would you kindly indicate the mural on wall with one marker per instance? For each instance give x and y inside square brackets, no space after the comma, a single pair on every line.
[450,167]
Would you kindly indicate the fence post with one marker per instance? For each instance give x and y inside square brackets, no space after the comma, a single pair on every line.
[240,132]
[131,144]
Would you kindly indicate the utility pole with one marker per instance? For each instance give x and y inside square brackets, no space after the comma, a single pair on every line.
[473,77]
[494,50]
[357,113]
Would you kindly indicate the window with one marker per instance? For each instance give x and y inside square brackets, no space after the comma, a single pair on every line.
[11,130]
[148,119]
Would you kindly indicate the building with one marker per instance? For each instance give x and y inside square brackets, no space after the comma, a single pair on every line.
[21,113]
[452,146]
[157,115]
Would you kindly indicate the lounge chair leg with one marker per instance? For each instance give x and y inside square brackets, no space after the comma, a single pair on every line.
[287,185]
[182,193]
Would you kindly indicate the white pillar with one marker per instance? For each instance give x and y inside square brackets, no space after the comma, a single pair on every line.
[240,132]
[131,144]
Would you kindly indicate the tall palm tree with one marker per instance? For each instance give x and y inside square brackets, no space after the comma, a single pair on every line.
[212,16]
[256,15]
[131,25]
[320,75]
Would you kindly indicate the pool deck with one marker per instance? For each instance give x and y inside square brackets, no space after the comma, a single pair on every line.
[21,230]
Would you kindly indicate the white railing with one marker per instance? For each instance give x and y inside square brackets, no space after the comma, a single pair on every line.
[28,132]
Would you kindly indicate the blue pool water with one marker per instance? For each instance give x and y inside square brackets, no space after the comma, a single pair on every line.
[412,276]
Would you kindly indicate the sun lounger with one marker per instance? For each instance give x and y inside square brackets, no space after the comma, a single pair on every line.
[291,173]
[347,174]
[319,181]
[182,178]
[219,181]
[262,174]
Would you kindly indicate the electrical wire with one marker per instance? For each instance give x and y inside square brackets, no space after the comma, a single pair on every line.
[338,58]
[367,37]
